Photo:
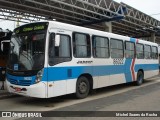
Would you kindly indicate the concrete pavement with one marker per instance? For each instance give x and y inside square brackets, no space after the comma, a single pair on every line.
[3,92]
[116,98]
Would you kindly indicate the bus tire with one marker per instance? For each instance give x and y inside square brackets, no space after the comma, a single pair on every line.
[140,77]
[82,87]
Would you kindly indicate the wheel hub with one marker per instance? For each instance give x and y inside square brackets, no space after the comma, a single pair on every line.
[82,87]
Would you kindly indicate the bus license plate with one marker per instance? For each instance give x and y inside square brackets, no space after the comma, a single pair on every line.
[17,89]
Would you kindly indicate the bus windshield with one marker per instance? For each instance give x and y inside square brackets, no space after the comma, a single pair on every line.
[27,48]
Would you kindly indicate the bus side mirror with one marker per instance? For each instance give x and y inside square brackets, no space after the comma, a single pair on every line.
[3,34]
[57,40]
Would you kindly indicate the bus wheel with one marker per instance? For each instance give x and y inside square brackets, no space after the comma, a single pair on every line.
[140,77]
[82,87]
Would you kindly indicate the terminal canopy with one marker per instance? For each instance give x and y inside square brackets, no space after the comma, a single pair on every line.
[125,19]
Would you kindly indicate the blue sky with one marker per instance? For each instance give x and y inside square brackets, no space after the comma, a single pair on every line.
[150,7]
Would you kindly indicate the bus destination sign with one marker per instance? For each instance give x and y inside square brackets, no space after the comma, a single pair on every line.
[31,27]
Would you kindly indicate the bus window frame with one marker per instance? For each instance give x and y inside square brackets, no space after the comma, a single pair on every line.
[101,47]
[67,59]
[130,50]
[150,51]
[114,48]
[143,51]
[74,45]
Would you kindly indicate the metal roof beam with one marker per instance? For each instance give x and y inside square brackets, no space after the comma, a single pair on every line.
[88,12]
[44,14]
[102,20]
[140,17]
[123,28]
[89,3]
[59,8]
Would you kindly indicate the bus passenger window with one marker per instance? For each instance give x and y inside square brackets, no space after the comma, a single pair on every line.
[51,45]
[100,47]
[116,48]
[81,45]
[140,51]
[129,50]
[147,53]
[154,52]
[61,53]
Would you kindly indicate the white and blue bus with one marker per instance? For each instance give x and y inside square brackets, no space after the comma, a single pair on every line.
[49,59]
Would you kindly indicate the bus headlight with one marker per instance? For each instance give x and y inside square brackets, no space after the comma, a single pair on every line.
[39,76]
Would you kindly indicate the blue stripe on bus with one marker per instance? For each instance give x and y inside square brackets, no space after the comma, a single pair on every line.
[133,40]
[146,67]
[19,80]
[128,64]
[128,75]
[61,73]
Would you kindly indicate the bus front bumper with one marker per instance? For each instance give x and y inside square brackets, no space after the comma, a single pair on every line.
[38,90]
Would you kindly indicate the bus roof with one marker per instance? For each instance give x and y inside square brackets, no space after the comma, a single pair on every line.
[63,26]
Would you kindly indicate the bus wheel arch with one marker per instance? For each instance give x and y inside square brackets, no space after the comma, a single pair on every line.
[140,77]
[84,85]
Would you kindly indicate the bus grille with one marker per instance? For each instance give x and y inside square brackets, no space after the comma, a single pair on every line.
[20,82]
